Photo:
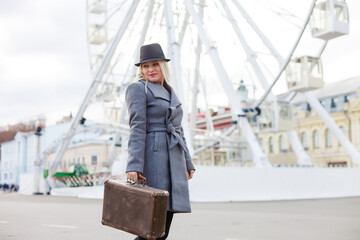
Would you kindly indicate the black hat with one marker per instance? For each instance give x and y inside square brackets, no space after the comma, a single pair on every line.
[151,52]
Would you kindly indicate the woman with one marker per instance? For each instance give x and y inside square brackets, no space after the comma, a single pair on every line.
[157,147]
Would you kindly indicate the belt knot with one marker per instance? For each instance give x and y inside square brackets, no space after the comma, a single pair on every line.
[170,128]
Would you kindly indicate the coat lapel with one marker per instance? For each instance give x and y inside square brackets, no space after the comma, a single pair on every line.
[157,90]
[174,101]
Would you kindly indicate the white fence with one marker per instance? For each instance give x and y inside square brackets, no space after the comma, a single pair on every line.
[223,184]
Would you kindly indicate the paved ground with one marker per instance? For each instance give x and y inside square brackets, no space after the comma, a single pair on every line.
[49,217]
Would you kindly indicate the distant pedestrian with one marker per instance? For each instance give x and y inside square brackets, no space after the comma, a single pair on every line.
[5,187]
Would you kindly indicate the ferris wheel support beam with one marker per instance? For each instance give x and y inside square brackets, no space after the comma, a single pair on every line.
[143,34]
[92,90]
[303,158]
[264,39]
[195,87]
[344,141]
[251,56]
[174,47]
[183,28]
[259,157]
[209,121]
[113,152]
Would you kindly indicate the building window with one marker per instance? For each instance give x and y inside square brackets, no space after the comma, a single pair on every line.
[271,145]
[83,160]
[5,176]
[308,108]
[94,160]
[78,160]
[328,138]
[282,147]
[333,105]
[304,140]
[316,143]
[261,143]
[343,131]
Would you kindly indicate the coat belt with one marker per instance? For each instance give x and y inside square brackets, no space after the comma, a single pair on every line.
[175,134]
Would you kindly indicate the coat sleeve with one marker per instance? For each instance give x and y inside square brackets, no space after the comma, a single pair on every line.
[189,164]
[135,98]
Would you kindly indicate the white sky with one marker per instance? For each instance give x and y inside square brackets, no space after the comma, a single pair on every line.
[44,64]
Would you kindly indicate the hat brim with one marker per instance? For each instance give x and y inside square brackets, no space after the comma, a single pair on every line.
[151,59]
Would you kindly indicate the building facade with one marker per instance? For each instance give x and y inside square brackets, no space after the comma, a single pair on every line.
[19,155]
[93,155]
[340,99]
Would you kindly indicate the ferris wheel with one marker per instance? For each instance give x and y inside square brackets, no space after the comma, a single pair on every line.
[212,46]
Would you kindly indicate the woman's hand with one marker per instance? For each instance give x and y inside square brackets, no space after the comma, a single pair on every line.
[132,176]
[190,174]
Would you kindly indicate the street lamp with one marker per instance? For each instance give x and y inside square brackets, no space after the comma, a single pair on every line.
[37,163]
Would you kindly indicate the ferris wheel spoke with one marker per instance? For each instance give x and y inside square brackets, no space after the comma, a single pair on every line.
[116,9]
[183,28]
[125,43]
[261,35]
[282,13]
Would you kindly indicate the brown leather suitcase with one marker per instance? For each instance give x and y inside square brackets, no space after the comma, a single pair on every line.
[135,209]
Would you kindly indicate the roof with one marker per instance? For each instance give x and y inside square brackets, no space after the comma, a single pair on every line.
[332,89]
[54,132]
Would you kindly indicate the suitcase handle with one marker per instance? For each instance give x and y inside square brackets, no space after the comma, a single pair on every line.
[141,180]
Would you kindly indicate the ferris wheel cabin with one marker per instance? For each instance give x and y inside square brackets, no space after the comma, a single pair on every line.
[97,34]
[275,116]
[107,92]
[96,60]
[97,6]
[330,19]
[304,73]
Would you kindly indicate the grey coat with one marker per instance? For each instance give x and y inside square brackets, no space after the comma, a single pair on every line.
[157,147]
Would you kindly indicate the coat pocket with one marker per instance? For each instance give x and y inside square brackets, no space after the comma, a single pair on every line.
[156,141]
